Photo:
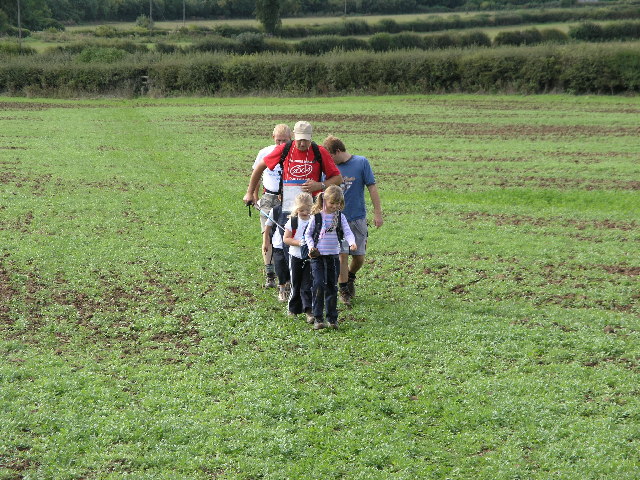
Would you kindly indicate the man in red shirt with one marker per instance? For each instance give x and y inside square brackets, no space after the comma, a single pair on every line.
[301,172]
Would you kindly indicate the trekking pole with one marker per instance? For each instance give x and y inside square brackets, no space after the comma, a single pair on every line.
[266,215]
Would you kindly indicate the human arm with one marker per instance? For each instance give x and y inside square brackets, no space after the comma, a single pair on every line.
[266,239]
[251,197]
[377,209]
[289,240]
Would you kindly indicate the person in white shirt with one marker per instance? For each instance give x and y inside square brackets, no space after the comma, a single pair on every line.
[299,268]
[270,195]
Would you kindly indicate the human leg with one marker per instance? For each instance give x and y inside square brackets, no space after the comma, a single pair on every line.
[295,299]
[332,268]
[318,287]
[306,287]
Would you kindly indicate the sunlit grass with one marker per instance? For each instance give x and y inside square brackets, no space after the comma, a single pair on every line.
[494,334]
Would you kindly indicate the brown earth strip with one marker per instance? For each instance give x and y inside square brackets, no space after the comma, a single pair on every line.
[503,219]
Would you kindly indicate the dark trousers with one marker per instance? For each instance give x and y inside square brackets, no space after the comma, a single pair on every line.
[300,299]
[325,270]
[280,264]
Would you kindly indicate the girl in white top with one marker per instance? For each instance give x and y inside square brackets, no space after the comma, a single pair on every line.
[299,269]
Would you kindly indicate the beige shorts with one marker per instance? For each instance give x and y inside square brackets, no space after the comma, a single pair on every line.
[361,232]
[265,204]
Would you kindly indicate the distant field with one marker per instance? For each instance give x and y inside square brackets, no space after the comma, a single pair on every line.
[494,335]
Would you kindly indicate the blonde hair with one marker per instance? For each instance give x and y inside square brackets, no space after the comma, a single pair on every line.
[302,200]
[282,128]
[333,193]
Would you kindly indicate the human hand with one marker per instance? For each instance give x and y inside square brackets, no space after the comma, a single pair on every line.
[353,246]
[250,199]
[378,220]
[314,252]
[311,186]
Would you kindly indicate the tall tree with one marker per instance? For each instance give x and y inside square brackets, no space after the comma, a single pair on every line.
[268,14]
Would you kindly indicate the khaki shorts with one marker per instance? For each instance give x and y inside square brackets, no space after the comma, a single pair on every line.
[265,204]
[361,232]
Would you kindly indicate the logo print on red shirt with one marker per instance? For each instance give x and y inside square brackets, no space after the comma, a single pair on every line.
[301,171]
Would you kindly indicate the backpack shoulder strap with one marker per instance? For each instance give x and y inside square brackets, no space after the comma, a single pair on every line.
[277,213]
[317,156]
[339,229]
[283,157]
[294,225]
[318,226]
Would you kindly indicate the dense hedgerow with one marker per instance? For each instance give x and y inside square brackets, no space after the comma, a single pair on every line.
[14,48]
[105,44]
[593,32]
[593,68]
[320,45]
[456,22]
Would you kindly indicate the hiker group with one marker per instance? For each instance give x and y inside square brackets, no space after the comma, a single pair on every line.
[313,217]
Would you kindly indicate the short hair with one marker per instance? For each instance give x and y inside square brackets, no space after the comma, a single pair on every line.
[282,128]
[333,144]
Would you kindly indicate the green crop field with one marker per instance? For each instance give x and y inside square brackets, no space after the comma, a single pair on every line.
[495,332]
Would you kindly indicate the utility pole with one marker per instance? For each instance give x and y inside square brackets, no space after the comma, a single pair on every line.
[19,29]
[184,13]
[150,12]
[345,8]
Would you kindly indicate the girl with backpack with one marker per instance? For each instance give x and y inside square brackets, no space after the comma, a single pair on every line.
[299,268]
[326,230]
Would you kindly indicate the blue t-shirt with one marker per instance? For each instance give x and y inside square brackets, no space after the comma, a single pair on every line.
[356,174]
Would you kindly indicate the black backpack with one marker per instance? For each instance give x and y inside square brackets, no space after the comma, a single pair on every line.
[304,248]
[277,213]
[317,157]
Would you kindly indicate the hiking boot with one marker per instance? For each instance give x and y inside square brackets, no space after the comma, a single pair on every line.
[345,297]
[310,318]
[270,281]
[318,324]
[282,294]
[351,286]
[333,325]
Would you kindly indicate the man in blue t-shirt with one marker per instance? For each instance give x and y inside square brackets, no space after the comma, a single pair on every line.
[356,175]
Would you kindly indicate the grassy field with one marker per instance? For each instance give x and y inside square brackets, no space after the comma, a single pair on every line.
[494,334]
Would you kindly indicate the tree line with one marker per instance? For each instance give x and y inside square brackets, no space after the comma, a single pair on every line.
[42,14]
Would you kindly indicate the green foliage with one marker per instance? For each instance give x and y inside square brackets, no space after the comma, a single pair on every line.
[251,43]
[107,31]
[14,48]
[524,37]
[325,44]
[268,14]
[594,68]
[144,22]
[101,55]
[592,32]
[553,35]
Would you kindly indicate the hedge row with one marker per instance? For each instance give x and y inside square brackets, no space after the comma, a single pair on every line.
[456,22]
[594,68]
[592,32]
[352,27]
